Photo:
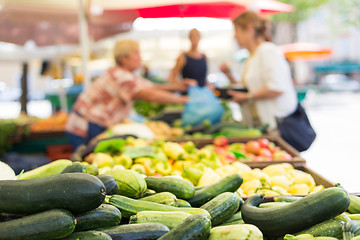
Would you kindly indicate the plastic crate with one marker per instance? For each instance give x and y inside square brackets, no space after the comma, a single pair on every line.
[61,151]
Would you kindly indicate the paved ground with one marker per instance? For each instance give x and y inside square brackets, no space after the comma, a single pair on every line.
[335,152]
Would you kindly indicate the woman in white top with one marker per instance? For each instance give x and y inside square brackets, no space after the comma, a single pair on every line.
[271,93]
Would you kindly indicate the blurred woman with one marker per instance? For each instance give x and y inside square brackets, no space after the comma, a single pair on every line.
[271,93]
[110,98]
[191,64]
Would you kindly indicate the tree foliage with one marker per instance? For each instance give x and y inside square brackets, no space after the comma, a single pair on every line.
[303,9]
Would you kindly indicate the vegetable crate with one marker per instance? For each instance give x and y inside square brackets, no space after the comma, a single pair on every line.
[297,160]
[59,151]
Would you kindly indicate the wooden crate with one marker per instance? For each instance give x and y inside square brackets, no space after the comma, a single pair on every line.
[297,160]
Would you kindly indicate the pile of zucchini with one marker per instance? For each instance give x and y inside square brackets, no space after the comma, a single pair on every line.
[78,205]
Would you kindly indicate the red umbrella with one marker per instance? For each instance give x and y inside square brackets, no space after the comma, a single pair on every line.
[305,51]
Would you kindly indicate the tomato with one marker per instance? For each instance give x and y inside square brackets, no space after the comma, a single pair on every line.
[281,156]
[264,152]
[252,147]
[219,150]
[220,141]
[258,159]
[264,143]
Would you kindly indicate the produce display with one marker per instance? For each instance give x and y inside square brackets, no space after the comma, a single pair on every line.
[55,122]
[72,204]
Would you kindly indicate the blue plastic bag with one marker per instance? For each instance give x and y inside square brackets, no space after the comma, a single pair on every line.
[203,105]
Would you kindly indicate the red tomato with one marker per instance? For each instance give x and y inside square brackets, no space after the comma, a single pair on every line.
[264,152]
[219,150]
[264,143]
[258,159]
[220,141]
[281,156]
[252,147]
[275,149]
[230,156]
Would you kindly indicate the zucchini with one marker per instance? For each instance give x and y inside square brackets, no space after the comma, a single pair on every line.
[131,183]
[182,203]
[75,167]
[105,215]
[234,218]
[272,204]
[51,224]
[129,206]
[296,216]
[181,188]
[222,207]
[88,235]
[165,198]
[138,231]
[47,170]
[110,183]
[329,228]
[287,198]
[239,232]
[354,206]
[354,216]
[76,192]
[169,219]
[194,227]
[230,183]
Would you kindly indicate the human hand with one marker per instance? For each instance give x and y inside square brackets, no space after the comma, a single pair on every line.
[190,82]
[239,97]
[224,67]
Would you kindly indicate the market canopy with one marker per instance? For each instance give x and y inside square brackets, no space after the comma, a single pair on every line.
[305,51]
[53,22]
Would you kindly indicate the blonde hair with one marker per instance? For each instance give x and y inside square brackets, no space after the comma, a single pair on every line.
[124,48]
[260,25]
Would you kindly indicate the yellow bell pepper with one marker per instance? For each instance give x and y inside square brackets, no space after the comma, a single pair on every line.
[173,150]
[124,160]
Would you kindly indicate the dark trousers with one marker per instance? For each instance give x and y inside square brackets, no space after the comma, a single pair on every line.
[93,131]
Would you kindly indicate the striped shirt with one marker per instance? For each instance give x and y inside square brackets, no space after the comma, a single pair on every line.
[106,102]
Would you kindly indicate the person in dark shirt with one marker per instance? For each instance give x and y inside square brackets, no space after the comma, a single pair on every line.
[191,64]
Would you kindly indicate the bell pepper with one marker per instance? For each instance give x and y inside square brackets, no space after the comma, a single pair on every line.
[173,150]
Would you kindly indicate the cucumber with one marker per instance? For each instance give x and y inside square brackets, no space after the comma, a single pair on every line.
[296,216]
[110,183]
[75,167]
[76,192]
[182,203]
[354,206]
[230,183]
[169,219]
[51,224]
[181,188]
[239,232]
[222,207]
[194,227]
[47,170]
[105,215]
[88,235]
[329,228]
[129,206]
[138,231]
[165,198]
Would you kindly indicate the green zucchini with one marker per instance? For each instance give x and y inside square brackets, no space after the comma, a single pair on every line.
[296,216]
[181,188]
[91,169]
[88,235]
[110,183]
[51,224]
[194,227]
[222,207]
[230,183]
[169,219]
[47,170]
[129,206]
[182,203]
[239,231]
[272,204]
[138,231]
[76,192]
[237,217]
[354,216]
[165,198]
[329,228]
[287,198]
[75,167]
[354,206]
[105,215]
